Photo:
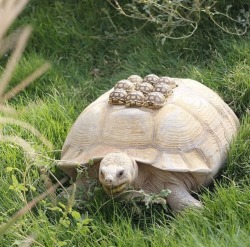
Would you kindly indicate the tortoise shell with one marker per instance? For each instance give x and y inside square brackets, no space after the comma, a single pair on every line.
[163,88]
[167,80]
[117,97]
[151,78]
[144,87]
[154,100]
[136,79]
[135,98]
[190,133]
[125,85]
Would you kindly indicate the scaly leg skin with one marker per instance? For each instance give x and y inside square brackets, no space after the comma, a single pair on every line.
[180,199]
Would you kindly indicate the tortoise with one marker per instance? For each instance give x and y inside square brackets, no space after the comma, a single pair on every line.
[135,98]
[154,100]
[136,79]
[127,85]
[151,78]
[144,87]
[163,88]
[180,146]
[167,80]
[118,97]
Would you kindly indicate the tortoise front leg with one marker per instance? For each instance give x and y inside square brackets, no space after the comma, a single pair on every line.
[180,198]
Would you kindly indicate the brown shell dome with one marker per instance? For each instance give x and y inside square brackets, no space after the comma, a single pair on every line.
[190,133]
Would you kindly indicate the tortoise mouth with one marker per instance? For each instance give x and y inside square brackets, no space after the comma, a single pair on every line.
[116,190]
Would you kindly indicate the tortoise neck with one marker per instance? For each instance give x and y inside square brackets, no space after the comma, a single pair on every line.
[142,175]
[135,172]
[151,179]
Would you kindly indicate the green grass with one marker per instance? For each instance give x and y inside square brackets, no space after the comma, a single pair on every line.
[77,37]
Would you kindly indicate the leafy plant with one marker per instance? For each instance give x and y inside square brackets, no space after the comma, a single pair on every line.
[180,19]
[148,199]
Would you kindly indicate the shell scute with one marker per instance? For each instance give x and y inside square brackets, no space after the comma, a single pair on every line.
[151,78]
[117,97]
[168,81]
[163,88]
[135,98]
[126,85]
[144,87]
[136,79]
[154,100]
[177,129]
[127,127]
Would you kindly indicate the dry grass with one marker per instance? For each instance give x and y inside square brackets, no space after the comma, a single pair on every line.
[17,41]
[9,12]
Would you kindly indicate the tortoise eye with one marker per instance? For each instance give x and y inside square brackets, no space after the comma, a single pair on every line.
[120,173]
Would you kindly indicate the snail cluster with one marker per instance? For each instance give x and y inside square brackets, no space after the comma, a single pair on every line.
[150,91]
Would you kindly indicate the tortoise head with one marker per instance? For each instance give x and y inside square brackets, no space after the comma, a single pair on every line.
[117,172]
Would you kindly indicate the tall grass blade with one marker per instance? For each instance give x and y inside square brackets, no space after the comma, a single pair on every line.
[28,242]
[27,81]
[15,56]
[28,207]
[9,42]
[9,10]
[30,128]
